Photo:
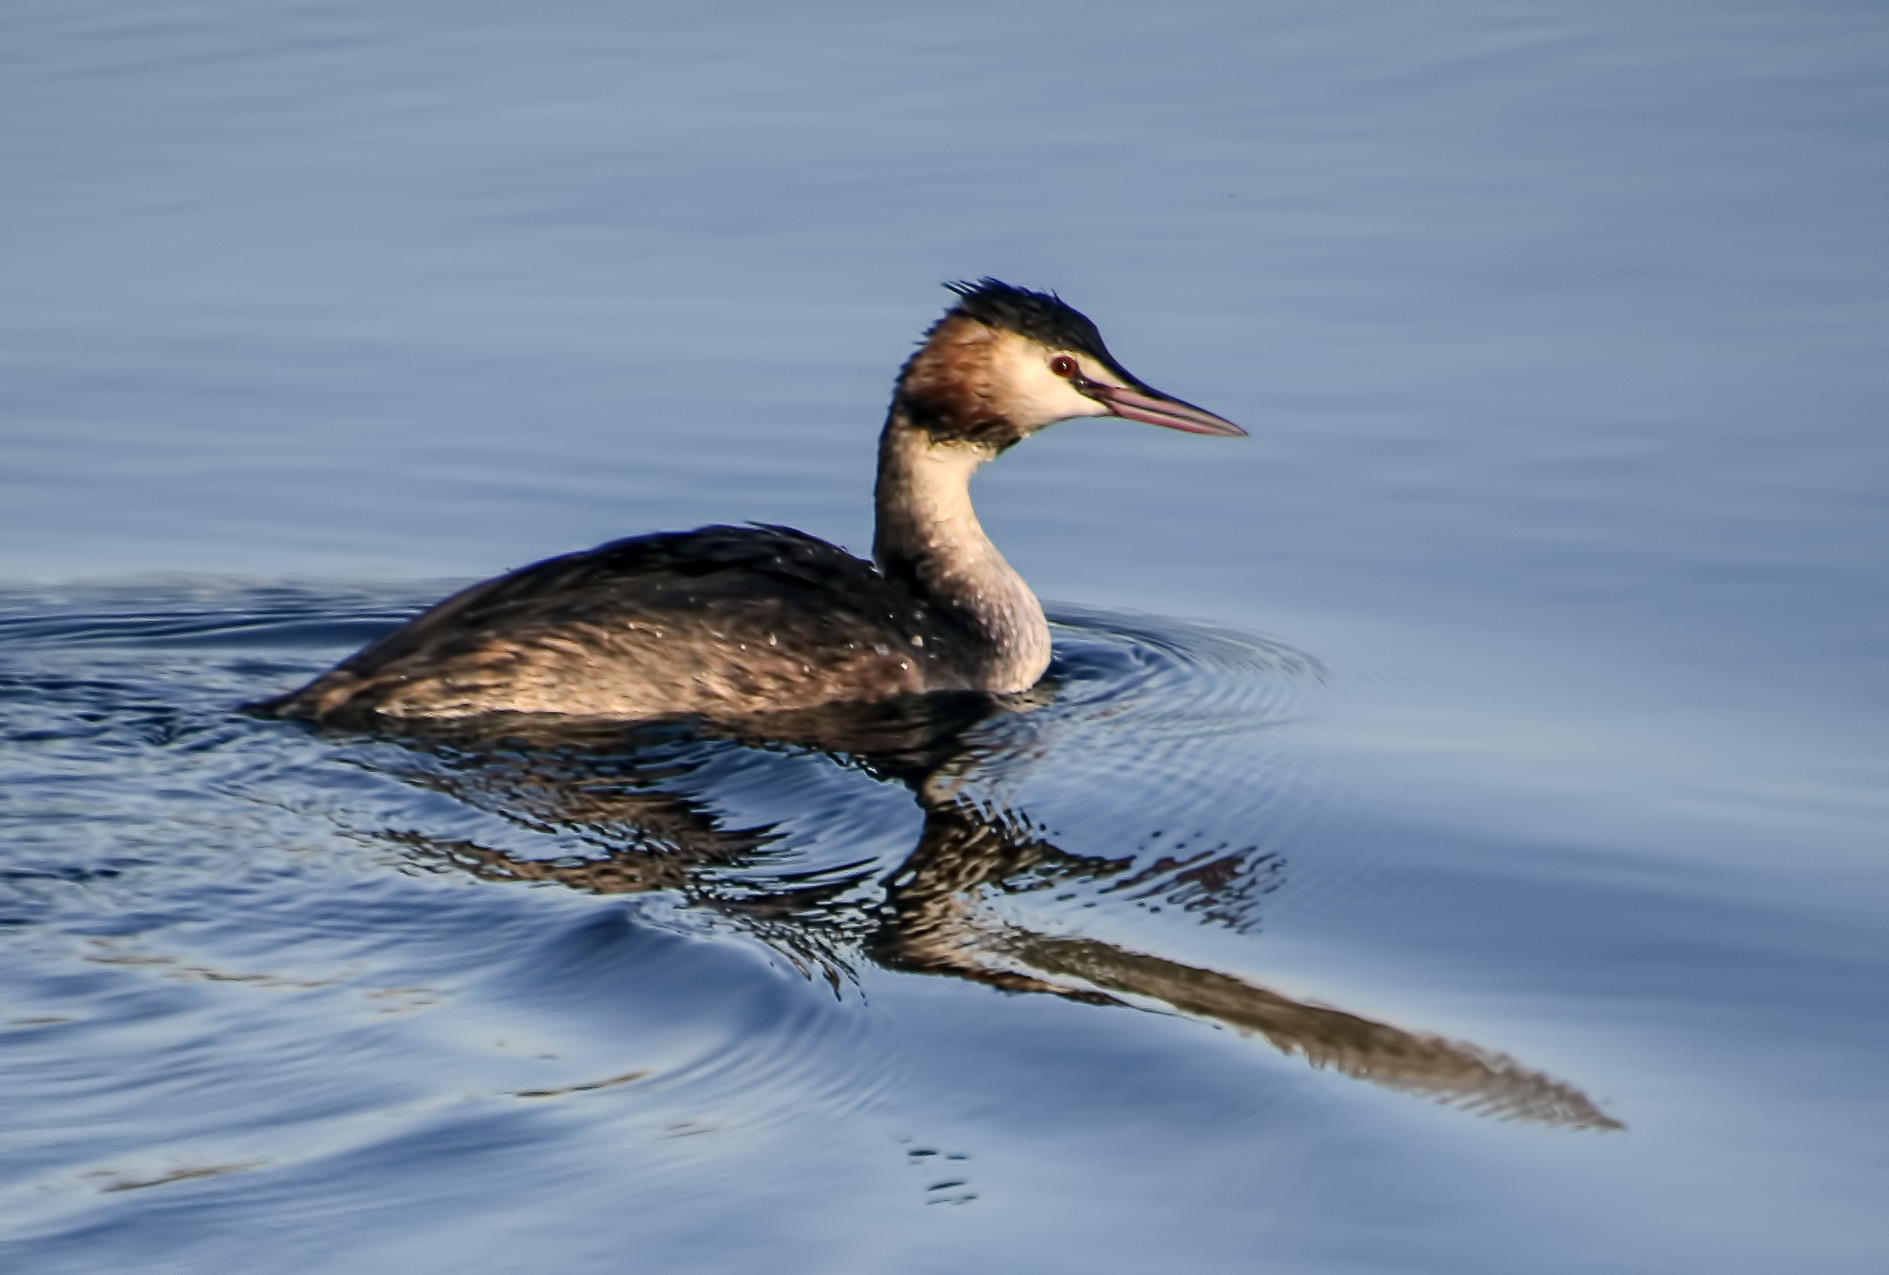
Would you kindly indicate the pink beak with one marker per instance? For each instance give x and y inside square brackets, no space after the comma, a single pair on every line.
[1156,408]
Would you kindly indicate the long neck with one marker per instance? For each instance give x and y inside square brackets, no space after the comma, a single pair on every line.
[927,535]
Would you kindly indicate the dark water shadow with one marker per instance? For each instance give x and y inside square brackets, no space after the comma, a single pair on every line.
[639,807]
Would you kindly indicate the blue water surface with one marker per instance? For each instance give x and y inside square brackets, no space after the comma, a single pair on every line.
[1453,835]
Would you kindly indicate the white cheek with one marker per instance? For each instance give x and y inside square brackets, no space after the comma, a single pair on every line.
[1045,397]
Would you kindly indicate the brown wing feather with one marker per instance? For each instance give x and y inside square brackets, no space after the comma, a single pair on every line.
[719,621]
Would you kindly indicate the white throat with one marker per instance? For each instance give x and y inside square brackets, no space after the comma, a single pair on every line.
[928,534]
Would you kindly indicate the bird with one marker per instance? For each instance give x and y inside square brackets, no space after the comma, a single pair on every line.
[730,622]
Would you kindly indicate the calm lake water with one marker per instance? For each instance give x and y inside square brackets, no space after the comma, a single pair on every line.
[1454,835]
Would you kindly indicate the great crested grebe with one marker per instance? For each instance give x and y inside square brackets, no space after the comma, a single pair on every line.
[737,621]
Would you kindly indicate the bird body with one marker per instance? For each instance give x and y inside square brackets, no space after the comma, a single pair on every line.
[673,623]
[734,621]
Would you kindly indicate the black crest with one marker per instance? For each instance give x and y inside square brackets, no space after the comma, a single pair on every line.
[1043,317]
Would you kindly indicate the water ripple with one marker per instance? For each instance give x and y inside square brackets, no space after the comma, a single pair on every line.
[241,949]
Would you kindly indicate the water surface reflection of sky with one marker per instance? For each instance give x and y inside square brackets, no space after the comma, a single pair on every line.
[1559,332]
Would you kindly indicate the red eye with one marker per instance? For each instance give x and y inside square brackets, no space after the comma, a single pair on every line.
[1063,365]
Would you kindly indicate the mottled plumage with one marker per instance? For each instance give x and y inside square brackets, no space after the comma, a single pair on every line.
[679,622]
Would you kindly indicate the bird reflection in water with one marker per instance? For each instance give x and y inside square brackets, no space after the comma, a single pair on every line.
[624,794]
